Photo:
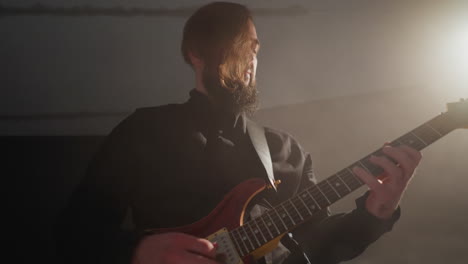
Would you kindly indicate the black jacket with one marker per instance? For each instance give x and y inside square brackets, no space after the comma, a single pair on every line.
[170,165]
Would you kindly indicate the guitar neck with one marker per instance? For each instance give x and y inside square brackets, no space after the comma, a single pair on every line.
[307,203]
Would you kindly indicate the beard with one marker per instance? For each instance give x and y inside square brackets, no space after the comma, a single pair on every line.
[235,97]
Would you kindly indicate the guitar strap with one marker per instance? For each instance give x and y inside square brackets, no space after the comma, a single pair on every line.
[257,135]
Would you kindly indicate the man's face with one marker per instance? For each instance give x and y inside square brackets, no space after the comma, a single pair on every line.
[252,70]
[239,94]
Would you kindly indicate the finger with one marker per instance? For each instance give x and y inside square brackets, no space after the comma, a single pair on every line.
[415,157]
[414,154]
[403,160]
[193,244]
[367,178]
[203,247]
[391,170]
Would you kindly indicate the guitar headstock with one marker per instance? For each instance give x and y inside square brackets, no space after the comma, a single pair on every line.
[459,112]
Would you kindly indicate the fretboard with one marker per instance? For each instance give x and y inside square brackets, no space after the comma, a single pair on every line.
[307,203]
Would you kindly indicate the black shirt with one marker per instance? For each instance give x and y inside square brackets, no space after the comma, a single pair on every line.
[170,165]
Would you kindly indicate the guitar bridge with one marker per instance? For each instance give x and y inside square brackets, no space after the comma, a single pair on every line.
[226,252]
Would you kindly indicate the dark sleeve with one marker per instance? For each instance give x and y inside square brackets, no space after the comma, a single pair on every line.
[89,229]
[343,236]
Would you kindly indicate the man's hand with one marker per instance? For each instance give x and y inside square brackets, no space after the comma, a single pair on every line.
[174,248]
[387,190]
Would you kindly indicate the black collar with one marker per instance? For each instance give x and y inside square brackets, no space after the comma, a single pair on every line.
[210,117]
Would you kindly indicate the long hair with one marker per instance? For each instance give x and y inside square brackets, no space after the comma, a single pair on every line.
[217,34]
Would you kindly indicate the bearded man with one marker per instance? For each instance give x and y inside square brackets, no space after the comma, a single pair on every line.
[169,166]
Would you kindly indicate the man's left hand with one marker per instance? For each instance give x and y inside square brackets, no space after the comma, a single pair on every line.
[387,190]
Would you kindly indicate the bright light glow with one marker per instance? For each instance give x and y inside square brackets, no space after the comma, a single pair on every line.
[452,50]
[458,50]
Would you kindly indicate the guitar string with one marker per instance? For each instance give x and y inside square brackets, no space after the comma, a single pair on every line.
[419,144]
[275,218]
[315,190]
[316,194]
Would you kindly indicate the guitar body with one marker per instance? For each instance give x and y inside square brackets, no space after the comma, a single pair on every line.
[227,215]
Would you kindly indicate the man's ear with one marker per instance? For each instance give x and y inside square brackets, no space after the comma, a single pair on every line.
[195,59]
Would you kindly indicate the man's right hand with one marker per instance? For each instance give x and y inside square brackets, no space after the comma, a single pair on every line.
[174,248]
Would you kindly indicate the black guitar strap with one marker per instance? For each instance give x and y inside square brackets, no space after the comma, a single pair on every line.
[257,135]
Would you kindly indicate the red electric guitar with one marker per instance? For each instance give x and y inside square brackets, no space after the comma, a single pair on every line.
[239,241]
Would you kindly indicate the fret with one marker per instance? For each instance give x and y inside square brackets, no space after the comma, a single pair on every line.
[259,229]
[433,129]
[339,196]
[239,249]
[349,179]
[284,224]
[253,233]
[427,134]
[303,210]
[247,238]
[267,228]
[243,243]
[295,208]
[439,123]
[328,192]
[363,166]
[317,187]
[286,213]
[355,177]
[305,205]
[372,168]
[319,197]
[397,141]
[339,177]
[420,139]
[410,140]
[273,222]
[315,201]
[306,198]
[290,212]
